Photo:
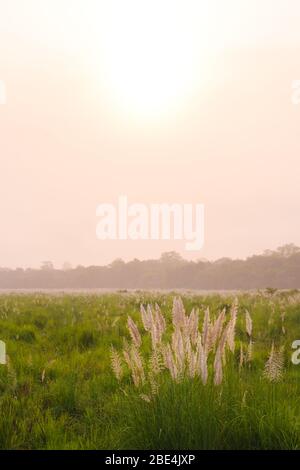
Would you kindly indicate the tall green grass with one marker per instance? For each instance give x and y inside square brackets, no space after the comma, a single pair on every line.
[58,390]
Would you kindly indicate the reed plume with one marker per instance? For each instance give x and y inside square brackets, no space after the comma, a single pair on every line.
[201,360]
[116,364]
[170,362]
[231,326]
[249,323]
[190,351]
[274,365]
[205,329]
[178,313]
[218,367]
[134,332]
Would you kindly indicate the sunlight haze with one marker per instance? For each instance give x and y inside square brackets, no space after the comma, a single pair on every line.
[164,101]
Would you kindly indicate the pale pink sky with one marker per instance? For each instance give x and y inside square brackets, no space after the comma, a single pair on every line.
[71,136]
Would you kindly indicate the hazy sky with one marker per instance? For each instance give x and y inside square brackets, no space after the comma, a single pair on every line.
[163,101]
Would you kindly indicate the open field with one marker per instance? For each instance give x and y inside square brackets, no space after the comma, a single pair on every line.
[199,381]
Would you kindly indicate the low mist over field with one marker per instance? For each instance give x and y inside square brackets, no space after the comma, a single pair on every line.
[277,269]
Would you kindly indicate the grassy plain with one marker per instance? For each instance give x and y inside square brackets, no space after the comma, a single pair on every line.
[58,390]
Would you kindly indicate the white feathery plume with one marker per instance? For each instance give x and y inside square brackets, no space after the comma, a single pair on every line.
[178,349]
[116,363]
[160,323]
[169,361]
[178,313]
[201,361]
[135,364]
[216,330]
[146,318]
[274,365]
[192,326]
[231,326]
[192,364]
[205,329]
[218,368]
[155,362]
[134,332]
[248,323]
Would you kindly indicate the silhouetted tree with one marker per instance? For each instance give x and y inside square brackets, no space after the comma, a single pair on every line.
[278,269]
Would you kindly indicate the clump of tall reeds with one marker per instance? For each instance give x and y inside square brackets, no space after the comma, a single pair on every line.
[187,348]
[184,349]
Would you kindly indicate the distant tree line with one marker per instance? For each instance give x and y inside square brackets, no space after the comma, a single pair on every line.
[274,269]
